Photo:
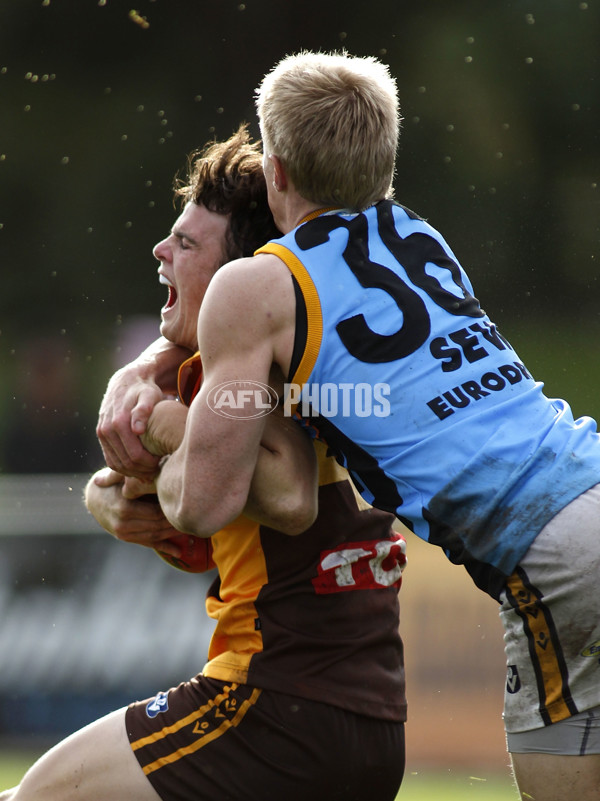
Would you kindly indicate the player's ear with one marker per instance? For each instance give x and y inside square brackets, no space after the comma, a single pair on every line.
[280,180]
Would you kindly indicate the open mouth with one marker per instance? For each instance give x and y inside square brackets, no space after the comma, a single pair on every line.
[172,296]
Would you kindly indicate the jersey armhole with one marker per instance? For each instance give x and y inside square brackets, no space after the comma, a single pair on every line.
[301,331]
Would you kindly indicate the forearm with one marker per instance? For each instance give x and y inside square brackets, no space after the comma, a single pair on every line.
[124,515]
[160,362]
[201,515]
[130,397]
[283,493]
[279,491]
[127,513]
[101,499]
[166,428]
[203,486]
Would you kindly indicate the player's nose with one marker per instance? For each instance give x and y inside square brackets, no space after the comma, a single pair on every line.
[161,250]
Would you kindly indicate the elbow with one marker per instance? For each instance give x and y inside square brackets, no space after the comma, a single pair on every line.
[303,520]
[201,518]
[297,514]
[298,524]
[186,523]
[190,521]
[194,503]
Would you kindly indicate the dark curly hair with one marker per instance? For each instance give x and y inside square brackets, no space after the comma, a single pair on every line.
[227,177]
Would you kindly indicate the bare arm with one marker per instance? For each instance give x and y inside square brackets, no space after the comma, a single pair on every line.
[131,395]
[166,427]
[283,490]
[136,518]
[246,325]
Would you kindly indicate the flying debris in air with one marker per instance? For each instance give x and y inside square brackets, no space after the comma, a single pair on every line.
[136,17]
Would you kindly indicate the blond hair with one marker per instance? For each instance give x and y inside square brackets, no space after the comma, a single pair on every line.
[333,120]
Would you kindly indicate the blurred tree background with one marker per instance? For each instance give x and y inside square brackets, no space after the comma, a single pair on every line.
[100,104]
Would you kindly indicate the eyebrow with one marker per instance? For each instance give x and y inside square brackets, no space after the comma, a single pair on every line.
[181,234]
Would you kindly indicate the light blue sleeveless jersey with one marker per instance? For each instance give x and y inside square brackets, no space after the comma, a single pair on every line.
[430,408]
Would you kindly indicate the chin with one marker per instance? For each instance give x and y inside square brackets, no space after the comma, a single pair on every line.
[168,331]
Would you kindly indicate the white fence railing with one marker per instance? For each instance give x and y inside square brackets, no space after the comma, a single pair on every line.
[87,613]
[44,504]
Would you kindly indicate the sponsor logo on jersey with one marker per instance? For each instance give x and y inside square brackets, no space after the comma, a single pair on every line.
[367,565]
[157,705]
[513,681]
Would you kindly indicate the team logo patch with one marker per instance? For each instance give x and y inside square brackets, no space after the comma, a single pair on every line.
[592,650]
[157,705]
[513,681]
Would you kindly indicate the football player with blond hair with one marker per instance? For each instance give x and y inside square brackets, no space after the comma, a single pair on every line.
[469,452]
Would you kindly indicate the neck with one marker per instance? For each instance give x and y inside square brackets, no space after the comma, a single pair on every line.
[294,211]
[289,207]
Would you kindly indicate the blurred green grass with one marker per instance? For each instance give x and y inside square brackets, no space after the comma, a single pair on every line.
[13,764]
[429,784]
[435,784]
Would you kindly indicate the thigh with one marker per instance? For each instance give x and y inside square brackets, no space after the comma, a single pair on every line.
[551,615]
[95,764]
[208,739]
[556,778]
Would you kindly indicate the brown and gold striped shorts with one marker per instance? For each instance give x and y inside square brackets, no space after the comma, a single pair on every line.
[207,739]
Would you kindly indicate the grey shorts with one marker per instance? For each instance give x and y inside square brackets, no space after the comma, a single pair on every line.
[575,736]
[550,609]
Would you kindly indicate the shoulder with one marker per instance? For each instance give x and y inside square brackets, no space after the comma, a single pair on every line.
[249,300]
[258,284]
[263,267]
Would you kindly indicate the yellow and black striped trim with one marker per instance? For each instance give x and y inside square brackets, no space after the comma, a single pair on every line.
[314,314]
[545,650]
[317,213]
[210,723]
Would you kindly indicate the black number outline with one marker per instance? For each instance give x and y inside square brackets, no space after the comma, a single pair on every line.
[412,253]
